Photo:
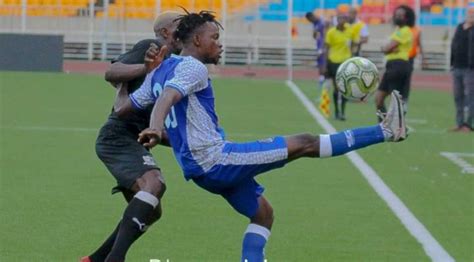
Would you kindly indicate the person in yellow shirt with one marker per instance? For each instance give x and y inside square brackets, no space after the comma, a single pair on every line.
[359,29]
[416,48]
[397,68]
[340,43]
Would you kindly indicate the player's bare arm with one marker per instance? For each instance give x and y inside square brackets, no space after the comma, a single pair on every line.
[153,135]
[355,47]
[390,47]
[119,72]
[153,58]
[122,104]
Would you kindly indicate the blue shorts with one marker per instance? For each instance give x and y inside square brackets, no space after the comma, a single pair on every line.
[233,177]
[321,61]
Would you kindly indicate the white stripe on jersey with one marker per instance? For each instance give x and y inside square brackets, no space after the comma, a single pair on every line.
[143,96]
[204,142]
[255,158]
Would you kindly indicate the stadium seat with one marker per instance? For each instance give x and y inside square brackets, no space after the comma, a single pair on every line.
[436,9]
[12,2]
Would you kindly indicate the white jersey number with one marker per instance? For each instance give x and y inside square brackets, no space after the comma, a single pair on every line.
[170,121]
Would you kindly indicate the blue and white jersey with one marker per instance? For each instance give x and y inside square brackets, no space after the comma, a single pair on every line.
[318,27]
[192,124]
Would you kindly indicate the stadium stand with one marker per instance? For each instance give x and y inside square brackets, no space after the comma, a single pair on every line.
[261,44]
[433,12]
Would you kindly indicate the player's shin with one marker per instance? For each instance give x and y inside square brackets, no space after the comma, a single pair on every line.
[135,222]
[253,245]
[101,253]
[349,140]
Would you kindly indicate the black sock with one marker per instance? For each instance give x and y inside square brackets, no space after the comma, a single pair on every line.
[383,110]
[336,104]
[134,223]
[343,106]
[101,253]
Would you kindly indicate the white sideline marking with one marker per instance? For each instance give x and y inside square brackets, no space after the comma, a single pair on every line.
[51,128]
[240,135]
[87,129]
[456,158]
[432,248]
[416,121]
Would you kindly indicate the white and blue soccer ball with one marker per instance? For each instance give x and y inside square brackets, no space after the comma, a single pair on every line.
[357,78]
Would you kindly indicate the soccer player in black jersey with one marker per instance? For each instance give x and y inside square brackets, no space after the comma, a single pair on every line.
[132,165]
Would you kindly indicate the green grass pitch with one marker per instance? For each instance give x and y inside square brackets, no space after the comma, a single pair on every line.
[55,193]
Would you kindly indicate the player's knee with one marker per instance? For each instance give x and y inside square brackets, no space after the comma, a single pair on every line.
[152,182]
[265,215]
[270,216]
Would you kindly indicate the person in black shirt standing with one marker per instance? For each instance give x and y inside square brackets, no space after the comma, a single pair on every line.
[462,64]
[138,177]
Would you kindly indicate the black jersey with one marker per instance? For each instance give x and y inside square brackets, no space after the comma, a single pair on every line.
[136,121]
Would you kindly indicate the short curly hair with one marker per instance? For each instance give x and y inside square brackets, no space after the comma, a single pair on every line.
[409,15]
[189,22]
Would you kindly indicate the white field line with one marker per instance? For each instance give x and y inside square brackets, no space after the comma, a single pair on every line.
[51,128]
[457,158]
[95,130]
[431,246]
[416,121]
[243,135]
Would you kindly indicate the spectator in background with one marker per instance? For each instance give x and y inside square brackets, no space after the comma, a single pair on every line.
[416,48]
[340,44]
[359,28]
[462,64]
[318,35]
[397,68]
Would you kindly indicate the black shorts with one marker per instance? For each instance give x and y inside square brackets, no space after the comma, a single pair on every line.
[396,77]
[125,158]
[332,69]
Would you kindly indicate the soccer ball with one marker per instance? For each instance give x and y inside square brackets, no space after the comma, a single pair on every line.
[357,78]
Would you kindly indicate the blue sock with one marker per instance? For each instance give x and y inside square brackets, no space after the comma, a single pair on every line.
[254,242]
[349,140]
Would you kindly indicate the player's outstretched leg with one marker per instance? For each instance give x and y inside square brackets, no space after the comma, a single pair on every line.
[103,251]
[139,214]
[391,129]
[257,233]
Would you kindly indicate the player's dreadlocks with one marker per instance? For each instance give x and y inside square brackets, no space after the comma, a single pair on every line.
[409,15]
[189,22]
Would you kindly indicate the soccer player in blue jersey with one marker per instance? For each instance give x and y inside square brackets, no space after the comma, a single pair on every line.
[319,28]
[184,106]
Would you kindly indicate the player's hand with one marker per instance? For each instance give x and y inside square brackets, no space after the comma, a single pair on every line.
[322,70]
[150,137]
[154,56]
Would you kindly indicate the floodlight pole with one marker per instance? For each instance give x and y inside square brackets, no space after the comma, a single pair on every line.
[417,11]
[289,47]
[223,33]
[450,34]
[459,19]
[157,7]
[105,20]
[23,16]
[90,52]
